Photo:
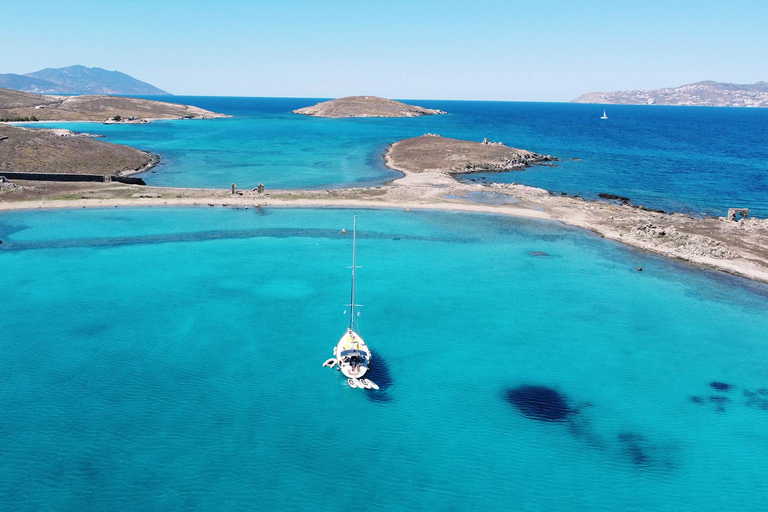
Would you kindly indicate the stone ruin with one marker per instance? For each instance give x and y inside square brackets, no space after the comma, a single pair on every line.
[734,212]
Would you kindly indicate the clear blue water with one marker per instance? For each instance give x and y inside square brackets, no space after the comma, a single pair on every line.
[170,359]
[695,160]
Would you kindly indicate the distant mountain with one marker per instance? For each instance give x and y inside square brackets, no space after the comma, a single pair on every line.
[27,84]
[707,93]
[79,80]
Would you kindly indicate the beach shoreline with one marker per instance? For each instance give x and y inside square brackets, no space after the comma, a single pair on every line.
[738,248]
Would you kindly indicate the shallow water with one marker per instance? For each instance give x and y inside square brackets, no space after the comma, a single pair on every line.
[171,359]
[693,159]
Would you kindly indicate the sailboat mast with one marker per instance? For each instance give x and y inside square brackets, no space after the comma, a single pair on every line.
[352,301]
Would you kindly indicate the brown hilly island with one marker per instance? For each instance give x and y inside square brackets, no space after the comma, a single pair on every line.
[366,106]
[431,152]
[16,105]
[44,151]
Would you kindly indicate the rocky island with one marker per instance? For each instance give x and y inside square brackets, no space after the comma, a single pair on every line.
[21,106]
[366,106]
[703,94]
[430,151]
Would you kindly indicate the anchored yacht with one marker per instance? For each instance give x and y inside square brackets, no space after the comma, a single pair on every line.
[351,354]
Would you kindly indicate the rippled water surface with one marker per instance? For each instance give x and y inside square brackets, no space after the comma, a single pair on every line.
[170,359]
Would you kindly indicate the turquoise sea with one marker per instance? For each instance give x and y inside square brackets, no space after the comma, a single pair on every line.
[170,359]
[697,160]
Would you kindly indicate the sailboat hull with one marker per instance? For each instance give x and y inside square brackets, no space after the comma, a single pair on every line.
[352,354]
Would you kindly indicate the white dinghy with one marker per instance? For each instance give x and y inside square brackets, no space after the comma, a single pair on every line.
[369,384]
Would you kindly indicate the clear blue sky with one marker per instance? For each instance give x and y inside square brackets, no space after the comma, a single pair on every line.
[533,50]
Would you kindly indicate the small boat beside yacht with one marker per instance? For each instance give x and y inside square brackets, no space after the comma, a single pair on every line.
[351,353]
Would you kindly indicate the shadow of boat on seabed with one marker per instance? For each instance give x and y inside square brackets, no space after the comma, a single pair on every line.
[379,373]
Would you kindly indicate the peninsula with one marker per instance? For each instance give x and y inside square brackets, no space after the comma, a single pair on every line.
[25,106]
[366,106]
[430,165]
[62,152]
[703,94]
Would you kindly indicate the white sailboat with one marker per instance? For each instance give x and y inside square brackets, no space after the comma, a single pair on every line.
[604,116]
[351,353]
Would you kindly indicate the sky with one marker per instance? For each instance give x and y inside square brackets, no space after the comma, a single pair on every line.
[533,50]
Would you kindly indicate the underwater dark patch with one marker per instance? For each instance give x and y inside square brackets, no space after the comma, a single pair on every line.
[195,237]
[379,373]
[539,403]
[757,399]
[697,399]
[719,402]
[538,253]
[720,386]
[633,446]
[763,391]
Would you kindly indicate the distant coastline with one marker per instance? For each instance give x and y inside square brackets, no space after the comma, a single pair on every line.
[700,94]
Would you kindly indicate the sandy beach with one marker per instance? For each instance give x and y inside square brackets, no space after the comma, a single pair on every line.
[739,248]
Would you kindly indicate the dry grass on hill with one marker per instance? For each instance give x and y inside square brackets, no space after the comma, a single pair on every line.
[365,106]
[15,104]
[27,150]
[431,152]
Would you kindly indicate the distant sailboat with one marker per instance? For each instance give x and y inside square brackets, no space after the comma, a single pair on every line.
[604,116]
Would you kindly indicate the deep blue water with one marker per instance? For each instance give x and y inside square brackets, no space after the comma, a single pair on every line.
[170,359]
[691,159]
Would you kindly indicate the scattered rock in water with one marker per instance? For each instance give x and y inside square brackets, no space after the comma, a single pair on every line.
[614,197]
[697,399]
[633,445]
[538,253]
[539,403]
[720,402]
[757,399]
[720,386]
